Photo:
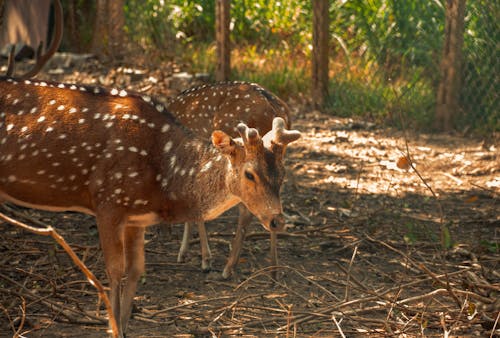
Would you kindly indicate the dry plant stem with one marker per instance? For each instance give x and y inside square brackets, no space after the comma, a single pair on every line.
[410,161]
[337,324]
[7,315]
[495,325]
[447,284]
[186,305]
[288,320]
[274,253]
[347,287]
[351,279]
[389,313]
[436,197]
[64,310]
[23,319]
[49,231]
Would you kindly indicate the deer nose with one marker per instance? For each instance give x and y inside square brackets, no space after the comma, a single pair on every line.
[277,223]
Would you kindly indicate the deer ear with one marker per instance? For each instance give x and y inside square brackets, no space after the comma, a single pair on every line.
[223,142]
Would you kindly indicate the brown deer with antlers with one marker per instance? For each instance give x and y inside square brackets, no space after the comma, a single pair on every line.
[124,159]
[210,107]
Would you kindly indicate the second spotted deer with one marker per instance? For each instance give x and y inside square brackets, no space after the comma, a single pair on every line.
[219,106]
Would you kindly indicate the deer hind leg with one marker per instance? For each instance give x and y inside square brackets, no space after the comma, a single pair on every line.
[111,235]
[206,255]
[244,220]
[186,236]
[134,262]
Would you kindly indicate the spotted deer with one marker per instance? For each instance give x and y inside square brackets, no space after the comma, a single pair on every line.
[125,159]
[218,106]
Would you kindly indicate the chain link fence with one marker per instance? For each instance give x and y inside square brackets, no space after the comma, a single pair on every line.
[480,71]
[393,72]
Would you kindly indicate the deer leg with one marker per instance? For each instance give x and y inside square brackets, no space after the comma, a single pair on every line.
[134,262]
[234,255]
[186,236]
[111,235]
[206,255]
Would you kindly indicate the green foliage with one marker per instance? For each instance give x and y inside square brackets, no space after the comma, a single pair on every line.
[398,35]
[384,60]
[492,247]
[271,22]
[164,23]
[411,235]
[407,102]
[446,239]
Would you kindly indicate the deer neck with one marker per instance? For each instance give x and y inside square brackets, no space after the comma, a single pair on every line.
[201,179]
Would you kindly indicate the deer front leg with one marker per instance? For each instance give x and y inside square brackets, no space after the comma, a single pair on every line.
[234,255]
[206,255]
[111,235]
[186,236]
[134,261]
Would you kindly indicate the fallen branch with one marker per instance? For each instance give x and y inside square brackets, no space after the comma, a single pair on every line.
[50,231]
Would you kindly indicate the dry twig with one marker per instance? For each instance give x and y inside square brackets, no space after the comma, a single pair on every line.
[49,231]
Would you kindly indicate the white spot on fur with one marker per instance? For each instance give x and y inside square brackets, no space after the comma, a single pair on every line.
[167,147]
[207,166]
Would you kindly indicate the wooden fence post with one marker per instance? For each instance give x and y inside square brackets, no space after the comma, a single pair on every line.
[320,52]
[222,18]
[449,86]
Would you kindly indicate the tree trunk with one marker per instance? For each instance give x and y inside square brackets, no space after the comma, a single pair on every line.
[100,36]
[222,18]
[320,52]
[116,25]
[447,95]
[109,37]
[72,34]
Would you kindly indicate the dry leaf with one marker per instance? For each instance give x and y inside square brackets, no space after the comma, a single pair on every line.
[403,163]
[472,199]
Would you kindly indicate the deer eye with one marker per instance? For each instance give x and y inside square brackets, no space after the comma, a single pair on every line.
[249,176]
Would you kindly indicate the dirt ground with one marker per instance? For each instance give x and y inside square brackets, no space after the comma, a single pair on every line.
[372,249]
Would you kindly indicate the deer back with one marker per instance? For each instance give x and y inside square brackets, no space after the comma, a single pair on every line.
[74,147]
[217,107]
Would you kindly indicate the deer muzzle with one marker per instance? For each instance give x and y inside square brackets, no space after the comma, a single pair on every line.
[277,223]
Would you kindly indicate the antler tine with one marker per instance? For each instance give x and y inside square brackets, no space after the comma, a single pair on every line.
[242,130]
[280,135]
[249,135]
[41,60]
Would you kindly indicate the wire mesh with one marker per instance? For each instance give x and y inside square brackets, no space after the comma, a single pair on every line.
[480,71]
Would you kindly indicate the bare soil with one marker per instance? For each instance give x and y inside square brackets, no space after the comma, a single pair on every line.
[371,249]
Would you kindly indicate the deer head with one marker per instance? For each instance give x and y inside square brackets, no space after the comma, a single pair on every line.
[258,169]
